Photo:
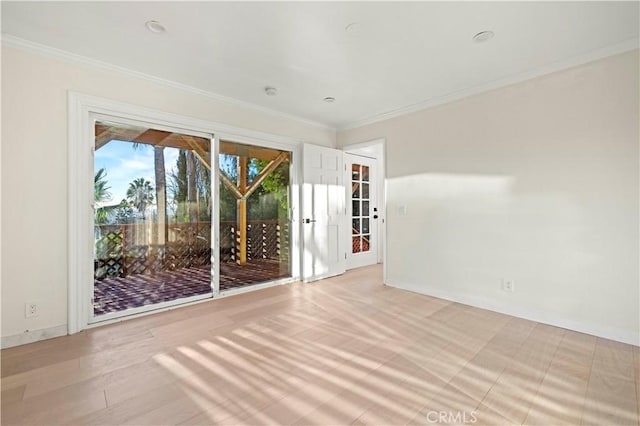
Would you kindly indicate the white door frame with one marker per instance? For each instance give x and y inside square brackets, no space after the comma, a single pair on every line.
[81,109]
[368,149]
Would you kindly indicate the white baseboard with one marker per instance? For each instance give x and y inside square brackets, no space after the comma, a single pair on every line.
[593,329]
[31,336]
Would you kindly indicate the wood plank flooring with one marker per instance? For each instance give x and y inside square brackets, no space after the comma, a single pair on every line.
[346,350]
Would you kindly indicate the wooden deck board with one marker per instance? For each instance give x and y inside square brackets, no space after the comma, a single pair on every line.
[133,291]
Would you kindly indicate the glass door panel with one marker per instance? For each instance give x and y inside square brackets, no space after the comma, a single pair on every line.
[254,215]
[152,222]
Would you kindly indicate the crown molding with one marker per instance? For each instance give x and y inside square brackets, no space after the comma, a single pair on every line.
[30,46]
[22,44]
[594,55]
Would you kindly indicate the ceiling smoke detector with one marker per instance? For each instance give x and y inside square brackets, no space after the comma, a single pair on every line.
[483,36]
[270,91]
[329,99]
[155,27]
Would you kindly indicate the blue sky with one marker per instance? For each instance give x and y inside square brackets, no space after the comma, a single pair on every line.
[123,164]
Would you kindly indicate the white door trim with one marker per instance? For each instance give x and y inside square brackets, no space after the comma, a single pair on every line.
[80,110]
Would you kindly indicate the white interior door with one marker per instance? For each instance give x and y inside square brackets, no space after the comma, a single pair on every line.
[362,210]
[323,213]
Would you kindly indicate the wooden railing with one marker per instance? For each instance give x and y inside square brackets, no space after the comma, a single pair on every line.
[122,250]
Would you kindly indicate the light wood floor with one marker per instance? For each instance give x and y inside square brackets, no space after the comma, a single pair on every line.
[341,351]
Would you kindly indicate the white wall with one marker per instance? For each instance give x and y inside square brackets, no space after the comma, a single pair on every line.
[34,170]
[535,182]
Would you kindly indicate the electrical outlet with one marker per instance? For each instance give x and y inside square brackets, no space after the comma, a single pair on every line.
[31,309]
[508,285]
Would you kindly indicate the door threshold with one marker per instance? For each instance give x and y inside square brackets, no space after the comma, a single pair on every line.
[142,311]
[252,287]
[147,310]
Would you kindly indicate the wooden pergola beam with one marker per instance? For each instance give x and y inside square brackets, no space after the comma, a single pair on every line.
[200,146]
[237,192]
[105,134]
[269,168]
[152,137]
[226,181]
[233,148]
[203,155]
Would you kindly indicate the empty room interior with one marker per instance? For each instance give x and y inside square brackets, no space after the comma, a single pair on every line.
[320,213]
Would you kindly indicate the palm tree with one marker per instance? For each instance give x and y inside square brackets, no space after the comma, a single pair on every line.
[101,194]
[101,190]
[161,192]
[140,195]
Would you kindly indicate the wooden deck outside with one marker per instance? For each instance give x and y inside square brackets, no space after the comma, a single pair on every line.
[133,291]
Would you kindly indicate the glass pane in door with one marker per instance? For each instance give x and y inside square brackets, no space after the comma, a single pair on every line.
[255,226]
[356,246]
[365,173]
[152,222]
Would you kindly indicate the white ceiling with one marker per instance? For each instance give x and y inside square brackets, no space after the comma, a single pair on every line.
[401,54]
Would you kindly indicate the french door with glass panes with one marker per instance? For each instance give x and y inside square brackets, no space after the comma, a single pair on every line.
[362,210]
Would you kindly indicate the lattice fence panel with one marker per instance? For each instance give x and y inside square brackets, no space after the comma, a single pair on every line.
[119,251]
[108,253]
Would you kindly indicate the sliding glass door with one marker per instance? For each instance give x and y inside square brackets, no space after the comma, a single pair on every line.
[152,218]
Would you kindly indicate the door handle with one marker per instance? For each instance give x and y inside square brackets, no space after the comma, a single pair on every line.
[375,216]
[309,220]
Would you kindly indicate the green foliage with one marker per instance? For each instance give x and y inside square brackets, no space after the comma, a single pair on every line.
[277,183]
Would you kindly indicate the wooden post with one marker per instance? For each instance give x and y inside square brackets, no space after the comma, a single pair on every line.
[123,232]
[242,210]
